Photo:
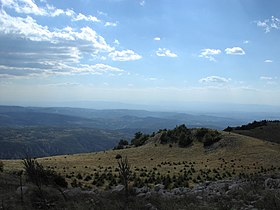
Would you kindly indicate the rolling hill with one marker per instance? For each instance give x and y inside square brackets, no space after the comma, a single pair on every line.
[234,155]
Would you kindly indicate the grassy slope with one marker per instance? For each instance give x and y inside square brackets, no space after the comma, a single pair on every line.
[270,132]
[240,153]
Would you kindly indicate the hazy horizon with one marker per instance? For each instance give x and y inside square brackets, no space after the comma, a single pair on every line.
[191,107]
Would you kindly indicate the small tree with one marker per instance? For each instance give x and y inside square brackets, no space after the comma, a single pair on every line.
[39,176]
[125,173]
[34,171]
[122,143]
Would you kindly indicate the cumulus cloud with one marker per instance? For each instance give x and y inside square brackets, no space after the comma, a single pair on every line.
[269,24]
[50,51]
[124,55]
[157,38]
[214,80]
[235,51]
[28,28]
[81,16]
[209,53]
[246,42]
[24,6]
[163,52]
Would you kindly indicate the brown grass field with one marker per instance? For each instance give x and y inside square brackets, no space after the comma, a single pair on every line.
[234,153]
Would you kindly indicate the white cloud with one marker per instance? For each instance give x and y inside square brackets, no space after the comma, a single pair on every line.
[163,52]
[269,80]
[266,78]
[246,42]
[269,24]
[52,51]
[102,13]
[24,27]
[157,38]
[209,53]
[111,24]
[28,28]
[116,42]
[268,61]
[124,55]
[235,51]
[97,69]
[142,3]
[69,13]
[81,16]
[24,6]
[214,80]
[151,79]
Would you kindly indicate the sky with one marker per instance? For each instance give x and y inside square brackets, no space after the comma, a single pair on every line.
[140,51]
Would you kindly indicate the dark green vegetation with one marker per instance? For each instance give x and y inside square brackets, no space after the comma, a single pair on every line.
[1,166]
[48,141]
[180,135]
[38,175]
[265,130]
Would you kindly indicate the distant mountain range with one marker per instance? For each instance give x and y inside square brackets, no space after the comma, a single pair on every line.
[113,119]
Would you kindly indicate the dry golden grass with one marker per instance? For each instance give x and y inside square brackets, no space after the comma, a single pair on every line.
[241,153]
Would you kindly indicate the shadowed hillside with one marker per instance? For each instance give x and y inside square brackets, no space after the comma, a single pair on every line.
[265,130]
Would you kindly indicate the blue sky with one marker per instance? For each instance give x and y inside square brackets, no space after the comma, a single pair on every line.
[140,51]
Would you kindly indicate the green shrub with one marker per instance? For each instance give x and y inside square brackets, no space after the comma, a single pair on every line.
[122,143]
[211,137]
[139,139]
[184,140]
